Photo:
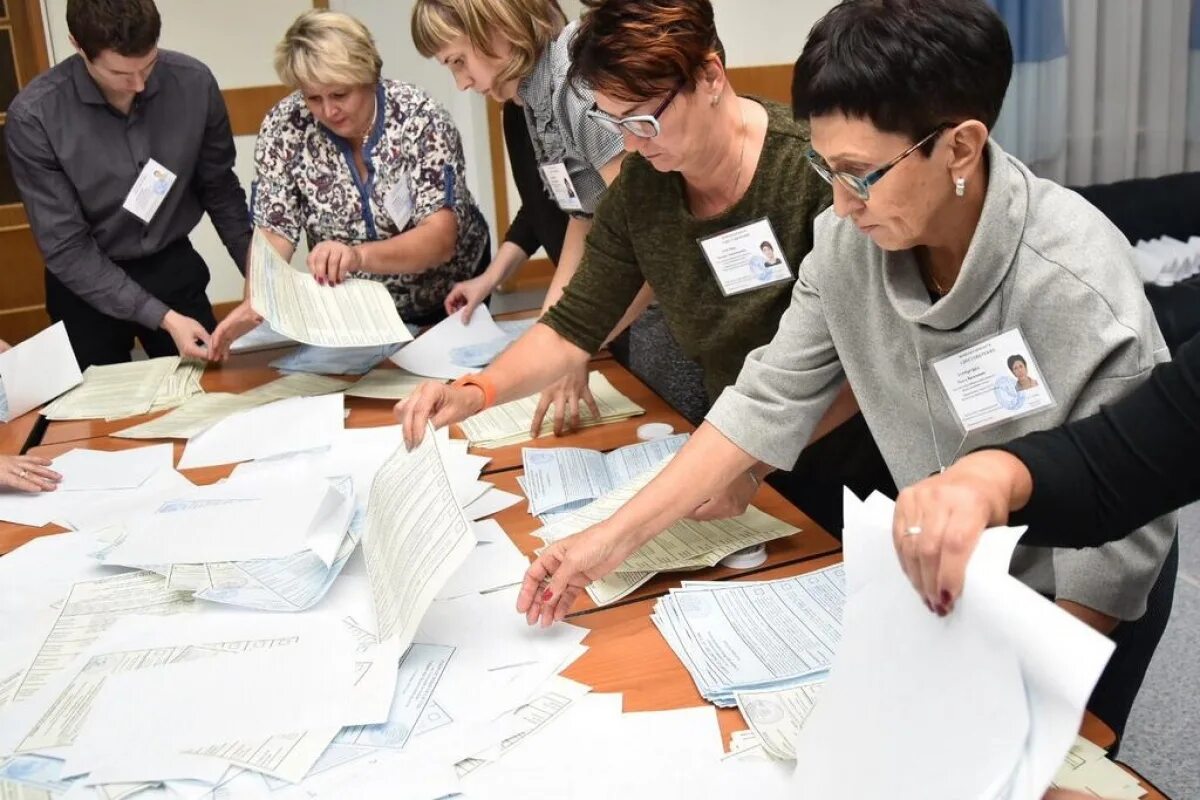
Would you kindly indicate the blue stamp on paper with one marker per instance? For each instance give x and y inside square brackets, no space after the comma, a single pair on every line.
[1008,396]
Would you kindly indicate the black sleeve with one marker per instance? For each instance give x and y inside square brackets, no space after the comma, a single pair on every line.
[539,222]
[1097,479]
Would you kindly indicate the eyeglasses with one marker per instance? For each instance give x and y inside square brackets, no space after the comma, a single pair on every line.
[643,126]
[861,186]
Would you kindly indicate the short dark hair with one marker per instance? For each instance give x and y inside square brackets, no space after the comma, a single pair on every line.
[635,49]
[128,27]
[906,65]
[766,244]
[1016,359]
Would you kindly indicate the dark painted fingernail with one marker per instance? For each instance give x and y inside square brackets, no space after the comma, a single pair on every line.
[946,598]
[546,595]
[942,611]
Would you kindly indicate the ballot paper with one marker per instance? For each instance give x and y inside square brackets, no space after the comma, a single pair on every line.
[477,356]
[386,384]
[777,715]
[417,536]
[355,313]
[230,521]
[509,423]
[261,338]
[1087,770]
[1007,671]
[36,371]
[201,412]
[558,477]
[103,509]
[333,360]
[114,391]
[719,632]
[84,470]
[493,501]
[284,426]
[417,678]
[429,353]
[181,384]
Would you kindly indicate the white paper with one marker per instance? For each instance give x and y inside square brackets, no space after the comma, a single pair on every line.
[493,501]
[492,564]
[261,338]
[285,426]
[429,353]
[38,370]
[92,470]
[114,391]
[355,313]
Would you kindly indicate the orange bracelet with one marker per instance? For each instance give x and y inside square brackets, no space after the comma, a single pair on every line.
[482,383]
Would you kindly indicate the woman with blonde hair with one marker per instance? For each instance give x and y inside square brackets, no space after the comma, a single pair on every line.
[369,169]
[519,51]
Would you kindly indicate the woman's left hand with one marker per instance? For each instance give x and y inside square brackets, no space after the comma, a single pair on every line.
[565,568]
[28,474]
[332,262]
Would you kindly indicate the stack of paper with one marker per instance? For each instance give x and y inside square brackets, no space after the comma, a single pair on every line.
[686,545]
[284,426]
[478,356]
[386,384]
[718,631]
[181,384]
[1088,770]
[37,370]
[261,338]
[1037,663]
[355,313]
[116,391]
[334,360]
[1165,261]
[509,423]
[567,478]
[776,715]
[429,354]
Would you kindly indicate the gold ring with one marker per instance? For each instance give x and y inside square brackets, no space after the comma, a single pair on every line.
[915,530]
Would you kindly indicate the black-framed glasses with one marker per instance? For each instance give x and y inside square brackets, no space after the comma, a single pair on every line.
[861,186]
[643,126]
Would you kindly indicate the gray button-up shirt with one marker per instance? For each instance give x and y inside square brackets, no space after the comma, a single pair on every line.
[75,158]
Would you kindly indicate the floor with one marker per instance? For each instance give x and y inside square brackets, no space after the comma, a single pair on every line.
[1162,739]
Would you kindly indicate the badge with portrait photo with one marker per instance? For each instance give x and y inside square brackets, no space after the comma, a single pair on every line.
[398,202]
[746,258]
[558,181]
[993,381]
[149,191]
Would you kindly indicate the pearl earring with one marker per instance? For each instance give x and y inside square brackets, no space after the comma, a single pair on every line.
[716,98]
[960,186]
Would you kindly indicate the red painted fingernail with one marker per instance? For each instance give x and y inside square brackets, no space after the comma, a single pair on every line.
[946,598]
[546,595]
[942,611]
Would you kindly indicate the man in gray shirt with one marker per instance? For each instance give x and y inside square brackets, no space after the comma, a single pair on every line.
[118,152]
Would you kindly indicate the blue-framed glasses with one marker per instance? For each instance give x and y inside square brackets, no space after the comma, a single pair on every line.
[643,126]
[861,186]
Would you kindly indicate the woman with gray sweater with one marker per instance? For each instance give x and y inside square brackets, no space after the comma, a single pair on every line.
[942,258]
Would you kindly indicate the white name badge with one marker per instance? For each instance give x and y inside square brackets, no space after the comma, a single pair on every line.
[149,191]
[559,182]
[993,381]
[399,202]
[746,258]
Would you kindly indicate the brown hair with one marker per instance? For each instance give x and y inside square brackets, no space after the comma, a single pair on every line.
[128,27]
[528,25]
[634,49]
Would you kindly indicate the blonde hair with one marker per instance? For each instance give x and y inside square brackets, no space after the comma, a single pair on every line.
[529,25]
[329,48]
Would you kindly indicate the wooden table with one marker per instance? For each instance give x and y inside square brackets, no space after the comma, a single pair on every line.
[16,434]
[811,542]
[600,437]
[627,654]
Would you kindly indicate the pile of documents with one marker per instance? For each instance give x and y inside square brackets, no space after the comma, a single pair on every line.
[726,633]
[202,412]
[1088,770]
[386,384]
[509,423]
[117,391]
[1165,261]
[998,686]
[261,338]
[35,371]
[355,313]
[561,479]
[686,545]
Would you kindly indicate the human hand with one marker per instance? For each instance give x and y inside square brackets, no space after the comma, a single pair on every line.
[440,403]
[236,324]
[190,337]
[565,396]
[332,262]
[28,474]
[467,295]
[731,502]
[565,568]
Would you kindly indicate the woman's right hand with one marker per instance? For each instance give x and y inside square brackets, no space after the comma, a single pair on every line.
[28,474]
[440,403]
[467,295]
[564,570]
